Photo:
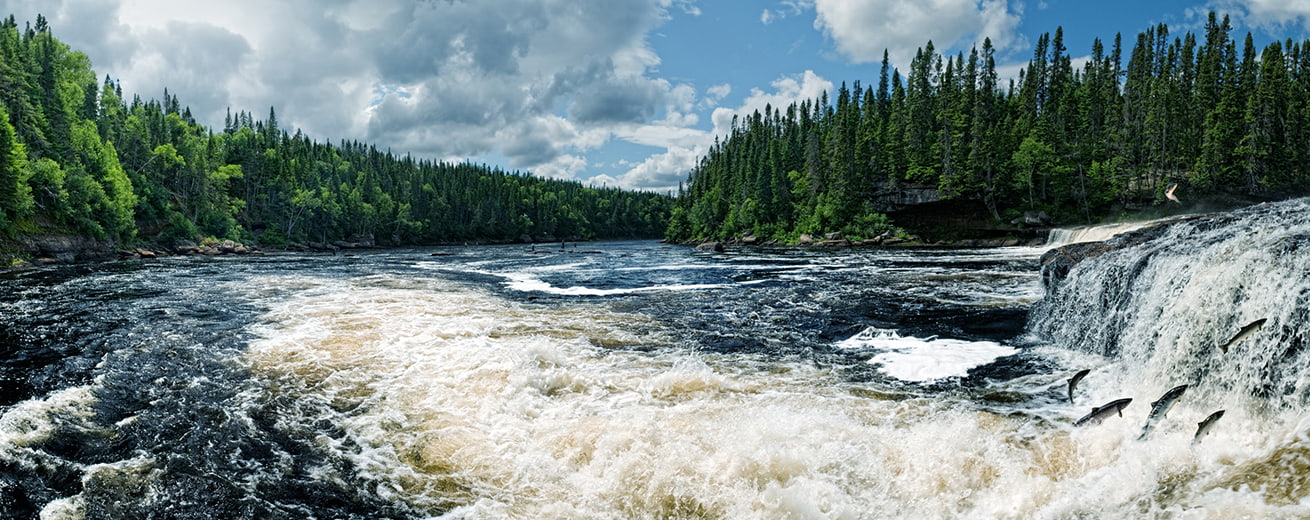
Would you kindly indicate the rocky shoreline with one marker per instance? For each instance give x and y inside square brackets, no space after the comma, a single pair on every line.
[44,250]
[66,249]
[835,241]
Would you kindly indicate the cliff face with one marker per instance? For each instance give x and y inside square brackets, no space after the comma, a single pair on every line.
[64,248]
[923,212]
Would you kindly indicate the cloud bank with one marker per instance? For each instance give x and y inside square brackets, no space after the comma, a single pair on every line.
[539,83]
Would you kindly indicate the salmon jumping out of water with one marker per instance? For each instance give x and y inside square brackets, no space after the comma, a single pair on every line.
[1203,427]
[1161,407]
[1246,331]
[1099,413]
[1073,381]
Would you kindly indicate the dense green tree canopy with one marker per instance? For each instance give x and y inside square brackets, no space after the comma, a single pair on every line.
[77,158]
[1076,142]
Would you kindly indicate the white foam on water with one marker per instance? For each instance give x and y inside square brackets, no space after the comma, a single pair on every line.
[925,359]
[1096,233]
[527,282]
[467,405]
[25,425]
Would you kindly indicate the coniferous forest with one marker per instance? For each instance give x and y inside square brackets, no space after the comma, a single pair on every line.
[78,159]
[1214,115]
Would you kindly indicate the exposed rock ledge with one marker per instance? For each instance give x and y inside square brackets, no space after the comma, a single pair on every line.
[65,248]
[71,249]
[1056,263]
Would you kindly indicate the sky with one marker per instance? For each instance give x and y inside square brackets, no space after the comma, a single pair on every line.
[618,93]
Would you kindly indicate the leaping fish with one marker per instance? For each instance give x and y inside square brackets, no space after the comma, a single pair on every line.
[1099,413]
[1073,381]
[1203,427]
[1169,193]
[1161,407]
[1246,331]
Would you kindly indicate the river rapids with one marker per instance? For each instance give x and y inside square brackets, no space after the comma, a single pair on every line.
[632,380]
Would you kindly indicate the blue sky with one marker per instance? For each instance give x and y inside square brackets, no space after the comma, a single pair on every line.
[626,93]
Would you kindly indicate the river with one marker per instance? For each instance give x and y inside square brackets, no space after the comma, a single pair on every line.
[643,380]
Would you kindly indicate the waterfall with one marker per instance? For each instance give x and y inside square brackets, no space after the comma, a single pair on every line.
[1158,302]
[1065,236]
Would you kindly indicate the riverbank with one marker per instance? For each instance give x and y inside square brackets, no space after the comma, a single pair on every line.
[39,250]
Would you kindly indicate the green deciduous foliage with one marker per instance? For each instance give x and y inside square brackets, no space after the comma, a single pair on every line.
[16,202]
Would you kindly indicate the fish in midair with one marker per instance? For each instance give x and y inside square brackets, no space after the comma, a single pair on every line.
[1073,381]
[1203,427]
[1246,331]
[1099,413]
[1161,407]
[1169,193]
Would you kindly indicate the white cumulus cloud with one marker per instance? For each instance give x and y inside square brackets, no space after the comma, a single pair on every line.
[862,29]
[1273,16]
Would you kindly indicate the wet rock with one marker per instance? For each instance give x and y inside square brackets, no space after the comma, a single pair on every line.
[1056,263]
[713,247]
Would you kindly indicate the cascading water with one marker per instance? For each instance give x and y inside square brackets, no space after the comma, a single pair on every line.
[641,380]
[1164,299]
[1066,236]
[1161,306]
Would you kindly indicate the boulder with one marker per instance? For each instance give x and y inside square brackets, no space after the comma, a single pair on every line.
[710,247]
[359,240]
[1056,263]
[1036,218]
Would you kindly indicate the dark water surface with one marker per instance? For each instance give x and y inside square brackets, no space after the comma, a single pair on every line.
[606,380]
